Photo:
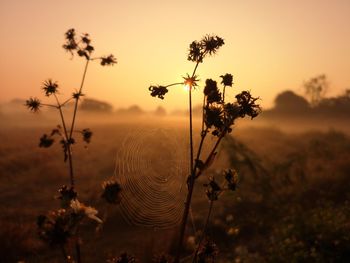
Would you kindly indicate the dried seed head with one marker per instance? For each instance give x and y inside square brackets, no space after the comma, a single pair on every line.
[111,192]
[158,91]
[108,60]
[227,79]
[50,87]
[33,104]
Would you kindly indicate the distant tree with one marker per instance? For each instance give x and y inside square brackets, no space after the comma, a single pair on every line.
[316,88]
[335,106]
[160,111]
[288,101]
[134,109]
[96,105]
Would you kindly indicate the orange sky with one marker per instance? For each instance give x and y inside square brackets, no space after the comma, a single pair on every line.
[271,45]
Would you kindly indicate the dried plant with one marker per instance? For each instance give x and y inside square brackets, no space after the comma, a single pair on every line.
[60,227]
[218,118]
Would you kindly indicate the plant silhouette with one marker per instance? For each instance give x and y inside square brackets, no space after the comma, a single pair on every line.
[58,228]
[218,118]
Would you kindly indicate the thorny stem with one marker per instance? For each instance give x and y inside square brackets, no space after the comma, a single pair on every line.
[204,231]
[71,175]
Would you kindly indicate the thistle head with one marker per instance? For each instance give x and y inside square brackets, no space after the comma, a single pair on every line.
[50,87]
[33,104]
[111,192]
[158,91]
[108,60]
[248,105]
[208,45]
[227,80]
[190,82]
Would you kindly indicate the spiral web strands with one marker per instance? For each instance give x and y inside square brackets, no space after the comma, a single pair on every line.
[151,167]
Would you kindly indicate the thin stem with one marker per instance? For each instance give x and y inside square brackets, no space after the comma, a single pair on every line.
[174,84]
[223,94]
[204,231]
[211,154]
[64,253]
[68,100]
[203,113]
[77,250]
[192,175]
[48,105]
[71,175]
[77,99]
[191,129]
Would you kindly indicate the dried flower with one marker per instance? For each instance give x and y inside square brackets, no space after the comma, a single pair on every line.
[195,54]
[89,49]
[211,91]
[211,44]
[247,104]
[162,258]
[66,196]
[190,82]
[33,104]
[213,189]
[46,141]
[207,252]
[158,91]
[56,228]
[50,87]
[76,95]
[227,79]
[213,116]
[108,60]
[232,112]
[71,43]
[85,38]
[87,133]
[66,146]
[111,192]
[70,34]
[208,45]
[123,258]
[81,209]
[83,53]
[231,178]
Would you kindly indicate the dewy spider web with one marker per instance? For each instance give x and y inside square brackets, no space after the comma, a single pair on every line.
[152,168]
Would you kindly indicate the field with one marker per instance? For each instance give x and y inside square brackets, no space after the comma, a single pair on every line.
[291,204]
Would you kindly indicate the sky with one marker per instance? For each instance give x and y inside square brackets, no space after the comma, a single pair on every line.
[270,46]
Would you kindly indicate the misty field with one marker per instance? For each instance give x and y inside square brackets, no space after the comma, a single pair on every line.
[291,204]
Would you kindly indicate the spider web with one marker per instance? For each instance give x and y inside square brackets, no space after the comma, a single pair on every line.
[151,166]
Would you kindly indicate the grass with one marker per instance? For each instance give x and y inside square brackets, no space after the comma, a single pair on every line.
[265,227]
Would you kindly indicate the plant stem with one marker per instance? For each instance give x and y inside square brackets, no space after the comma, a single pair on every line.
[204,231]
[71,175]
[77,99]
[192,175]
[211,154]
[64,253]
[77,250]
[174,84]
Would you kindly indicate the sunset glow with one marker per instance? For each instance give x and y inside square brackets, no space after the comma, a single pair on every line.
[270,46]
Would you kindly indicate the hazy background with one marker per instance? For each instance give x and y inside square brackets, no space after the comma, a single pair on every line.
[270,46]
